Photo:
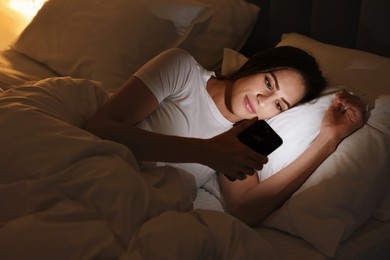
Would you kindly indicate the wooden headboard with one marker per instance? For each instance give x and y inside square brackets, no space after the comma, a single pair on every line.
[357,24]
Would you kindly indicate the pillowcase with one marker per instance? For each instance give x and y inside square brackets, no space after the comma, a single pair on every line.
[11,24]
[346,193]
[109,42]
[357,70]
[232,61]
[364,73]
[229,27]
[106,42]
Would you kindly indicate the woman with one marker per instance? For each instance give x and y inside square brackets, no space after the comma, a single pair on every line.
[174,111]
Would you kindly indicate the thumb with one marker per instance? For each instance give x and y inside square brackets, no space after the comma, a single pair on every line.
[244,125]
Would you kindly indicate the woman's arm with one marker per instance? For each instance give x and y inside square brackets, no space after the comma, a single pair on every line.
[134,101]
[252,201]
[129,105]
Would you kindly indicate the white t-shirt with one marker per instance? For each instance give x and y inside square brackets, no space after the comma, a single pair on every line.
[186,108]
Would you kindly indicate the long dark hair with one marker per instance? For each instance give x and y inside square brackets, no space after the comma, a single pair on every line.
[283,57]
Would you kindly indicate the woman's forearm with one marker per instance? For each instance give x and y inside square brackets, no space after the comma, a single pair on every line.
[149,146]
[133,102]
[254,202]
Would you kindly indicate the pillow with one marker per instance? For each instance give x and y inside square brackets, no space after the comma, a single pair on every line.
[357,70]
[341,194]
[109,42]
[232,61]
[341,185]
[304,123]
[229,27]
[11,24]
[106,42]
[364,73]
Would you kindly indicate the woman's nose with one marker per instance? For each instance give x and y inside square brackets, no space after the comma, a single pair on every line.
[261,100]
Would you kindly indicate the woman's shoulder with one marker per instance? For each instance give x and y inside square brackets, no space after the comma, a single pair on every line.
[177,60]
[179,55]
[171,73]
[173,60]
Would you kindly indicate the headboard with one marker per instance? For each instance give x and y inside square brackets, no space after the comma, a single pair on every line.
[358,24]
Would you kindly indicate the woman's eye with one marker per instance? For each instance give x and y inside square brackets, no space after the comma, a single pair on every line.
[268,83]
[278,106]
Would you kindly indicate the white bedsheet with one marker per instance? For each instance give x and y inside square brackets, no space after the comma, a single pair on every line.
[66,194]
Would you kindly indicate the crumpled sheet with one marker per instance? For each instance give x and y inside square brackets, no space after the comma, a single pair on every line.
[66,194]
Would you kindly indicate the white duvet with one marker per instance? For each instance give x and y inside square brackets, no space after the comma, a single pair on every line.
[66,194]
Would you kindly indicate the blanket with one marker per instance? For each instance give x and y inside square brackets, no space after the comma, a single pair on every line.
[67,194]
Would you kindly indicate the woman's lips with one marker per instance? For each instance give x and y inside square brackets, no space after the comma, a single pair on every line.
[249,106]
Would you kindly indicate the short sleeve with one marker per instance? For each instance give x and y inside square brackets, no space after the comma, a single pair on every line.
[167,74]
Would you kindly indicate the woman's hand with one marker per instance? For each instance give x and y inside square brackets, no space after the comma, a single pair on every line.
[343,117]
[226,154]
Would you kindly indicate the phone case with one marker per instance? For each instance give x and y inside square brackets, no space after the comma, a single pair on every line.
[261,138]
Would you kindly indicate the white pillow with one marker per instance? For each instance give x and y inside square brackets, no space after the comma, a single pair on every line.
[364,73]
[357,70]
[11,24]
[232,61]
[102,41]
[346,193]
[109,41]
[229,27]
[304,123]
[298,127]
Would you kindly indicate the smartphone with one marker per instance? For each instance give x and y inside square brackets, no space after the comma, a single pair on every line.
[261,138]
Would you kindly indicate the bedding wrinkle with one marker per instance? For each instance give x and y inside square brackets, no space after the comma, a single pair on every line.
[67,194]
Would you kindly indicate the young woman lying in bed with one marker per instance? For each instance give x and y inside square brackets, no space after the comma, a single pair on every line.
[174,111]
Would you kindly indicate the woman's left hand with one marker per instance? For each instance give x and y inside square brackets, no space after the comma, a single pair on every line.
[343,117]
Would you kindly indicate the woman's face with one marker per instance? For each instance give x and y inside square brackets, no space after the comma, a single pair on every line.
[266,94]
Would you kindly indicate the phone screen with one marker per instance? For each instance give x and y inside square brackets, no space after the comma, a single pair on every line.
[261,138]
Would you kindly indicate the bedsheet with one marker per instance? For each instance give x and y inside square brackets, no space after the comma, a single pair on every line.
[67,194]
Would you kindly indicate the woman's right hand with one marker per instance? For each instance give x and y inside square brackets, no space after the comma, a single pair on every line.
[226,154]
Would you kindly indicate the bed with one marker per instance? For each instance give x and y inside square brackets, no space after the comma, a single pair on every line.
[66,194]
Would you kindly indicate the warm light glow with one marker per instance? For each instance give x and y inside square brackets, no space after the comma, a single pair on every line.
[28,8]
